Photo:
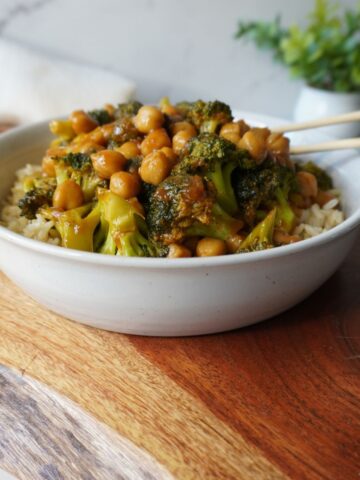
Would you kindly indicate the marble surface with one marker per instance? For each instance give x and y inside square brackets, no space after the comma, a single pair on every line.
[5,475]
[182,49]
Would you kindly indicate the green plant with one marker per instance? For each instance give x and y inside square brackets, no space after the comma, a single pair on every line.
[326,53]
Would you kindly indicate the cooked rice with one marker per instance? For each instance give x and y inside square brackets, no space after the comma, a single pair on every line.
[39,228]
[316,220]
[313,221]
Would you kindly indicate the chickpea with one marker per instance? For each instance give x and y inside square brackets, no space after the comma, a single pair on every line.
[155,168]
[170,110]
[62,128]
[254,142]
[210,247]
[56,151]
[68,195]
[154,141]
[183,126]
[277,142]
[97,136]
[81,138]
[148,118]
[322,198]
[278,145]
[283,238]
[129,150]
[124,128]
[134,202]
[107,130]
[231,131]
[233,243]
[171,155]
[178,251]
[261,132]
[244,127]
[125,184]
[307,184]
[87,147]
[107,162]
[180,139]
[81,122]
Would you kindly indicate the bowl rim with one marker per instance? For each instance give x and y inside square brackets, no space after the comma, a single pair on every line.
[348,225]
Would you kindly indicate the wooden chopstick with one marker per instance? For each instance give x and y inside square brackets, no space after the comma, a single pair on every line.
[344,144]
[322,122]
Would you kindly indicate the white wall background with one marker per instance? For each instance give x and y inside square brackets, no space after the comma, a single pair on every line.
[180,48]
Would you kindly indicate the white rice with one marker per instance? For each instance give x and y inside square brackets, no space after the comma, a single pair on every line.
[316,220]
[313,221]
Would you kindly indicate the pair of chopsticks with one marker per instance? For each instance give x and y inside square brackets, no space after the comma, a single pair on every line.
[323,122]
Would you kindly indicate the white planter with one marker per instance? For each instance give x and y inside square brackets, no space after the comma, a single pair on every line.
[315,103]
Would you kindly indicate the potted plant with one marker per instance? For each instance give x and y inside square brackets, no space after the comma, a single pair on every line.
[325,54]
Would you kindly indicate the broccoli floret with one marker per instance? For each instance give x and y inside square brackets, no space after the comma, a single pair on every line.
[251,189]
[147,191]
[267,186]
[183,107]
[206,116]
[215,158]
[34,199]
[101,117]
[89,182]
[287,183]
[37,180]
[124,230]
[221,225]
[77,160]
[177,203]
[285,215]
[77,226]
[133,244]
[78,167]
[128,109]
[323,179]
[203,151]
[185,205]
[38,193]
[261,237]
[137,243]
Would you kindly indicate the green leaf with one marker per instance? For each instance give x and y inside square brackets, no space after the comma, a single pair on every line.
[355,75]
[325,53]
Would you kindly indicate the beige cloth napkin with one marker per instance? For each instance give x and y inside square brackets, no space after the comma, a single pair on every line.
[34,87]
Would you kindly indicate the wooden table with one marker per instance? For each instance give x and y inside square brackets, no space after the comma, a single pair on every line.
[277,400]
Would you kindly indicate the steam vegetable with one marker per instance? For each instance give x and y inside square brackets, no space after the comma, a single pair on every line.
[170,180]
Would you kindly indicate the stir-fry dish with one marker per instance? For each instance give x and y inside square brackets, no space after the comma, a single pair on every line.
[171,181]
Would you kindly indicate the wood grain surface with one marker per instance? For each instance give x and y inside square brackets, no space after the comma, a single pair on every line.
[279,400]
[45,435]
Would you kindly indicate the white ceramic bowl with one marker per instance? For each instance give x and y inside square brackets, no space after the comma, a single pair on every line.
[155,296]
